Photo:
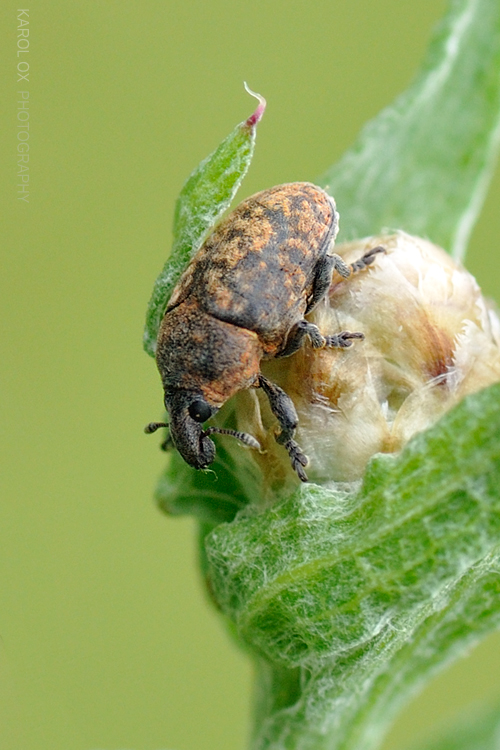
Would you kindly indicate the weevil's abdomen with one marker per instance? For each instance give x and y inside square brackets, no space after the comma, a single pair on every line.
[257,268]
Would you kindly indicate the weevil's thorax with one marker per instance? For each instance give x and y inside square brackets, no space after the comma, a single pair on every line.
[198,353]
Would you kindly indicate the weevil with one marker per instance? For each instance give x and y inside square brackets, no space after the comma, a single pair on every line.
[243,299]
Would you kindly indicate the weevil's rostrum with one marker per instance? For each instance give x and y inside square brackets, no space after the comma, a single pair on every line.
[242,299]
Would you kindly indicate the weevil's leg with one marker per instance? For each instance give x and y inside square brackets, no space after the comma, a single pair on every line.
[323,277]
[343,339]
[295,339]
[168,443]
[284,411]
[340,340]
[367,259]
[152,427]
[328,264]
[303,328]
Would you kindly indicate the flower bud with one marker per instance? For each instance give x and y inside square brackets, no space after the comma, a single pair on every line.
[430,339]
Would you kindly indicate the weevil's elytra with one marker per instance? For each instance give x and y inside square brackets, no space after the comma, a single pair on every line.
[257,269]
[243,299]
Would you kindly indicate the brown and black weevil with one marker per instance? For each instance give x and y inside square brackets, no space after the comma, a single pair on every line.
[243,298]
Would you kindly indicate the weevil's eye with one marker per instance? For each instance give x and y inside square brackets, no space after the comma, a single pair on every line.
[200,411]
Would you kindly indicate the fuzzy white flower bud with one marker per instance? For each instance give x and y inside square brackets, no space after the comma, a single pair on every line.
[430,339]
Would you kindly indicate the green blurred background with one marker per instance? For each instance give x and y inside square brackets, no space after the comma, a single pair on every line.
[108,641]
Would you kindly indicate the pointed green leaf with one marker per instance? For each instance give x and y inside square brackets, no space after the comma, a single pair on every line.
[205,196]
[424,163]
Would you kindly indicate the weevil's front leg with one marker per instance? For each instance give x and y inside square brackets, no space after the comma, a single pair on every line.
[168,443]
[284,411]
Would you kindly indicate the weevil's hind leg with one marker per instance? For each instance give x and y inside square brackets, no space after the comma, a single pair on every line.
[284,411]
[323,278]
[330,263]
[367,259]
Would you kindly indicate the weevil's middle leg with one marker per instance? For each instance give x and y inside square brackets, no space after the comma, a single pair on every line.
[303,328]
[321,284]
[283,409]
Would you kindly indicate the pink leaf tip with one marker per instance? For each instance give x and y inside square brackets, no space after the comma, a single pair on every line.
[257,115]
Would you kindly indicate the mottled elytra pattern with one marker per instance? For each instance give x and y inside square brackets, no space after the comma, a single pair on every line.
[257,269]
[243,299]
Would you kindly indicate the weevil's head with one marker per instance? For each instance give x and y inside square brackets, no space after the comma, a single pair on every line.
[203,362]
[187,412]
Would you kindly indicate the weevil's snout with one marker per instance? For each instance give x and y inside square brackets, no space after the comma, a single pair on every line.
[186,430]
[195,447]
[187,413]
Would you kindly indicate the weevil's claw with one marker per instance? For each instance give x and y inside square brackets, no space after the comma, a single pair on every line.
[342,340]
[370,255]
[367,258]
[298,459]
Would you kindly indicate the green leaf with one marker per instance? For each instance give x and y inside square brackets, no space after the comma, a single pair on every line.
[424,163]
[205,196]
[214,495]
[350,597]
[368,592]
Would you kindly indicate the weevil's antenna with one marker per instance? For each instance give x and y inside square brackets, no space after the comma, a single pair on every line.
[153,426]
[243,437]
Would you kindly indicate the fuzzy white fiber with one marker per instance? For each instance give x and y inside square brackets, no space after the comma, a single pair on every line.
[430,339]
